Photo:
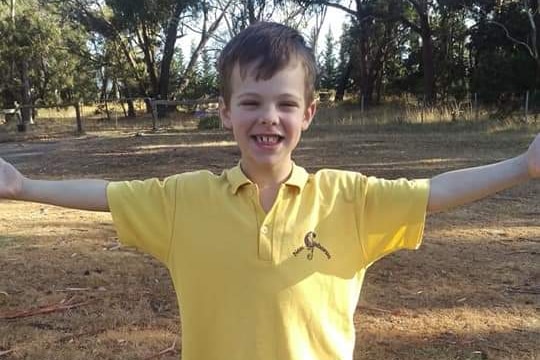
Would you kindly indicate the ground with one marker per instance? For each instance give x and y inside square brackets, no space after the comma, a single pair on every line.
[470,292]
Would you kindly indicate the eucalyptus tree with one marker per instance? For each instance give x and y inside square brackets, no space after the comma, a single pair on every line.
[307,17]
[38,62]
[145,32]
[504,48]
[369,41]
[213,13]
[154,27]
[241,14]
[451,51]
[416,14]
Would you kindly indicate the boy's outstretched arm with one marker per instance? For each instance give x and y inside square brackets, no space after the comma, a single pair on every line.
[463,186]
[77,194]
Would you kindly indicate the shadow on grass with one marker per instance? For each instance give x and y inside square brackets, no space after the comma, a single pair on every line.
[7,240]
[397,345]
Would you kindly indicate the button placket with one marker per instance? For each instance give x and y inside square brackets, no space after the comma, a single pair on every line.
[265,242]
[264,233]
[270,232]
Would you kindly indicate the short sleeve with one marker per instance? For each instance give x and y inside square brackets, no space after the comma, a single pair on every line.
[392,216]
[143,213]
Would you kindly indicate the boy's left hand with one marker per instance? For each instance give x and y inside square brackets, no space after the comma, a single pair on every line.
[533,158]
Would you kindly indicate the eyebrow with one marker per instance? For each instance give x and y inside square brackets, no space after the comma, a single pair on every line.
[288,96]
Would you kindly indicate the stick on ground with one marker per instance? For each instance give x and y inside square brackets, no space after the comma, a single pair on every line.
[170,349]
[46,309]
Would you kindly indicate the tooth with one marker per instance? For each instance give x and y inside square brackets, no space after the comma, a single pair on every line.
[268,139]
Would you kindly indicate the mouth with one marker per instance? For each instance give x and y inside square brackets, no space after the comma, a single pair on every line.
[270,139]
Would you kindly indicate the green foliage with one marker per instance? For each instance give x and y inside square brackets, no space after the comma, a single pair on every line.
[56,73]
[209,123]
[328,68]
[502,67]
[203,81]
[87,49]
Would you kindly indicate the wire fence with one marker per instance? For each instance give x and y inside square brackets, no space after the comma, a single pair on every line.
[150,114]
[132,113]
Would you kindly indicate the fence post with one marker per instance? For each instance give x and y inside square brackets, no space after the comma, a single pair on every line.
[80,129]
[154,114]
[476,110]
[422,109]
[527,106]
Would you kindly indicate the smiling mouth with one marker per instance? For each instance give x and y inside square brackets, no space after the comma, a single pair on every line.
[267,139]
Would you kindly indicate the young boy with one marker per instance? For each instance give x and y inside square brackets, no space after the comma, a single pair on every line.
[267,260]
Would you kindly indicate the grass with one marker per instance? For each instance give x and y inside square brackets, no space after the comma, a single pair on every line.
[6,241]
[392,116]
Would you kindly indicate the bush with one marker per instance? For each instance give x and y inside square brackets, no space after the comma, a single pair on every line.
[209,123]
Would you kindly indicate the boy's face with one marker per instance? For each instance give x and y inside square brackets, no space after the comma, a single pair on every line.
[267,117]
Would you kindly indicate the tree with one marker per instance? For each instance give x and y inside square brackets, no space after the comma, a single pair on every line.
[145,20]
[502,64]
[145,32]
[42,57]
[345,63]
[371,36]
[210,24]
[329,63]
[419,21]
[509,18]
[451,53]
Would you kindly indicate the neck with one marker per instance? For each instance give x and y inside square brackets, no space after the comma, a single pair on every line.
[267,176]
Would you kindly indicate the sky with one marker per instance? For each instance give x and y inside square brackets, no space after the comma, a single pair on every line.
[334,20]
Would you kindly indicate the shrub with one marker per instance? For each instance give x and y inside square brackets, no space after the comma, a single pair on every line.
[209,123]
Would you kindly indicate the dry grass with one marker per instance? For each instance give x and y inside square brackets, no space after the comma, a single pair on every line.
[471,291]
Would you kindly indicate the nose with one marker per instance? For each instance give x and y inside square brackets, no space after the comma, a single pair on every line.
[269,115]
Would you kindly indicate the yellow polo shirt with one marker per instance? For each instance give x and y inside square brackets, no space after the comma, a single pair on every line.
[282,285]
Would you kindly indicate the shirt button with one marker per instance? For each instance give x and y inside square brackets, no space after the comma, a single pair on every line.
[264,229]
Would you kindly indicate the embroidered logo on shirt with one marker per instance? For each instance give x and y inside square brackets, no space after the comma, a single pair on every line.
[310,245]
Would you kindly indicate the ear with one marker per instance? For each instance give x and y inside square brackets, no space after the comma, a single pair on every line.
[309,113]
[224,114]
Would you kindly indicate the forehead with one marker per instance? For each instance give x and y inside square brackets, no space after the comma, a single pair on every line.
[289,79]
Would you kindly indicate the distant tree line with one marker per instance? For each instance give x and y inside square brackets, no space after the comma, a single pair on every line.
[56,51]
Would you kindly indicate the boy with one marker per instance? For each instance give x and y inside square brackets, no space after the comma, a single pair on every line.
[266,259]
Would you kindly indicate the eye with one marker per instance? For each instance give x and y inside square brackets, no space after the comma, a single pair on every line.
[249,103]
[289,104]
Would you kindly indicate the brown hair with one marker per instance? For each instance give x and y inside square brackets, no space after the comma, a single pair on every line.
[271,46]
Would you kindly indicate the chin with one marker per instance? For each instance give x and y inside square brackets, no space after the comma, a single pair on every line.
[268,161]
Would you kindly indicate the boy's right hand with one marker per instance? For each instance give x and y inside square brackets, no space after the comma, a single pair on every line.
[11,181]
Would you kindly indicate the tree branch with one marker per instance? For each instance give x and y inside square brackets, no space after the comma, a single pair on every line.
[513,39]
[340,7]
[410,24]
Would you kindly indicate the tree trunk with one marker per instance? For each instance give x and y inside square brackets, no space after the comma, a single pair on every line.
[168,52]
[131,109]
[427,60]
[251,12]
[149,60]
[205,36]
[26,110]
[424,30]
[343,80]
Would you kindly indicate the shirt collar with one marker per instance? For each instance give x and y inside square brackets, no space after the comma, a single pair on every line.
[236,178]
